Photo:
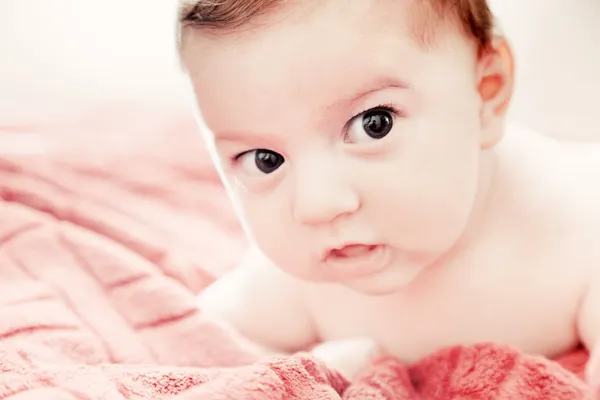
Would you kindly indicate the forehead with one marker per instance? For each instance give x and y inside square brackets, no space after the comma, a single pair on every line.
[308,56]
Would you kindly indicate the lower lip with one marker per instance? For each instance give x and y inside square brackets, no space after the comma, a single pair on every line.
[372,261]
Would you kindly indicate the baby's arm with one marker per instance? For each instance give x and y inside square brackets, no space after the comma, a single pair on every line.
[589,329]
[263,304]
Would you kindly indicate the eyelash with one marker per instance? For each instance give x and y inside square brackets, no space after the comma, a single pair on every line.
[236,157]
[396,112]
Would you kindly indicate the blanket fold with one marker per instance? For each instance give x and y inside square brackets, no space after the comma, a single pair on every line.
[100,263]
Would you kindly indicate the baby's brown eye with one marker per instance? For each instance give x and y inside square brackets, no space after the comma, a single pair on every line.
[259,162]
[268,161]
[374,124]
[377,123]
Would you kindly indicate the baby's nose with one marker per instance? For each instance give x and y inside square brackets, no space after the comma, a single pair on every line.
[322,198]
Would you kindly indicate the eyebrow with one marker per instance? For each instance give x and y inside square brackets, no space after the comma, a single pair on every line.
[237,136]
[376,85]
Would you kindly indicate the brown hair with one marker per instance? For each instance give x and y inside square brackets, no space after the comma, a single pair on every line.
[473,16]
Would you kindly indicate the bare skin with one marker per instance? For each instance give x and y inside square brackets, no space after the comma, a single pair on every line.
[447,228]
[522,284]
[529,282]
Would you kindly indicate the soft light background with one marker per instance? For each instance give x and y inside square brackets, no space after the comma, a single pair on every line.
[88,67]
[558,64]
[92,72]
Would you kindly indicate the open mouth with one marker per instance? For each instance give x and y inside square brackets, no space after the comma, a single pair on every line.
[352,251]
[358,259]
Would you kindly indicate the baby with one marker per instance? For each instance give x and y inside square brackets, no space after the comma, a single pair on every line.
[364,145]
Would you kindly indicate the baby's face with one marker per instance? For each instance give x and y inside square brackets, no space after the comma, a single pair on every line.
[353,152]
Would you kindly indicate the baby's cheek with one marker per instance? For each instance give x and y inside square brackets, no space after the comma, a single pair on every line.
[279,241]
[425,223]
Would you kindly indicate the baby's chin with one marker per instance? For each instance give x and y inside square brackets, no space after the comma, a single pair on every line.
[387,282]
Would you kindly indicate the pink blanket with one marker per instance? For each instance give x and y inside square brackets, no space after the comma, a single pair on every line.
[100,262]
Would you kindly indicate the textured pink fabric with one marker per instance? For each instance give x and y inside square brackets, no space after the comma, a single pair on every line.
[100,261]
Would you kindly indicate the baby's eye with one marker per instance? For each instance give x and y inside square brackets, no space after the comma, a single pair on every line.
[265,161]
[374,124]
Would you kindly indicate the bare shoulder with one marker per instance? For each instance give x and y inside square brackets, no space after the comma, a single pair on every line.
[573,176]
[557,187]
[566,174]
[582,198]
[262,303]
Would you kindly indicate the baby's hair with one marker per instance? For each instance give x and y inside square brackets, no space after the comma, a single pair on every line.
[218,16]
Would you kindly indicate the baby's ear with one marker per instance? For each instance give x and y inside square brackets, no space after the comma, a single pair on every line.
[495,85]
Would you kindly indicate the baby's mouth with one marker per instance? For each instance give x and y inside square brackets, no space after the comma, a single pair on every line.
[358,259]
[352,251]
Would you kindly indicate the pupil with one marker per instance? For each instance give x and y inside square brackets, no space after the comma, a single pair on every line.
[268,161]
[377,123]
